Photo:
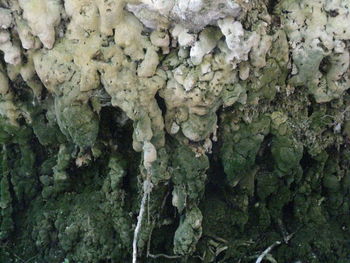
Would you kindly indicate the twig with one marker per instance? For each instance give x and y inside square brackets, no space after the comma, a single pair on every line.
[266,251]
[147,187]
[217,238]
[200,257]
[283,231]
[153,223]
[18,257]
[27,261]
[277,243]
[163,256]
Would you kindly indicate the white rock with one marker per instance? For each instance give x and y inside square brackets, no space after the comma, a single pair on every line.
[5,18]
[149,154]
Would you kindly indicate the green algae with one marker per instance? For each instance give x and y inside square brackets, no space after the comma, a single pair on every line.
[238,127]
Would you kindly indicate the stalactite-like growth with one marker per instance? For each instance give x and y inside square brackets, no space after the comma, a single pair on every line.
[203,131]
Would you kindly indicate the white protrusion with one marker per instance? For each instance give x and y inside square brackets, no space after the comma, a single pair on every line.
[5,18]
[149,154]
[184,38]
[238,46]
[12,52]
[233,31]
[174,128]
[42,17]
[208,39]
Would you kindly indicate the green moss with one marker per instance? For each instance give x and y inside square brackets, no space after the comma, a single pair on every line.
[240,127]
[188,232]
[77,122]
[239,149]
[7,224]
[188,176]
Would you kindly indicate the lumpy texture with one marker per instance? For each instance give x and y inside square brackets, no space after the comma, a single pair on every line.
[226,122]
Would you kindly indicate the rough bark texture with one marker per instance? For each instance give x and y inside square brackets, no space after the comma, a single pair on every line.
[174,131]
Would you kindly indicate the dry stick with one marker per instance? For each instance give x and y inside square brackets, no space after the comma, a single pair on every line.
[150,236]
[153,224]
[30,259]
[18,257]
[277,243]
[163,256]
[158,255]
[146,190]
[266,251]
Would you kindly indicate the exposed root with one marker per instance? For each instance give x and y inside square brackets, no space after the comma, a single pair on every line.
[163,256]
[149,254]
[277,243]
[267,251]
[147,188]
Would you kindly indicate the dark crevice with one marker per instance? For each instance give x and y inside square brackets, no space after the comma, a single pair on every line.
[333,12]
[161,103]
[310,110]
[271,6]
[325,65]
[264,155]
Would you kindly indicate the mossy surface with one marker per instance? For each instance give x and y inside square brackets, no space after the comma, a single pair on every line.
[201,132]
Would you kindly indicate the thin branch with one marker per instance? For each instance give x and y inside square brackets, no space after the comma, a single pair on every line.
[267,251]
[30,259]
[153,223]
[147,187]
[163,256]
[18,257]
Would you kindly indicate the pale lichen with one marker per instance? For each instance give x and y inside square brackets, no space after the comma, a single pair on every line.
[317,33]
[42,17]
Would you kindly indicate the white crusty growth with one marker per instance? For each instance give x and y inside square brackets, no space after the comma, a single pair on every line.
[149,154]
[42,16]
[238,46]
[12,51]
[207,41]
[192,14]
[5,18]
[7,107]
